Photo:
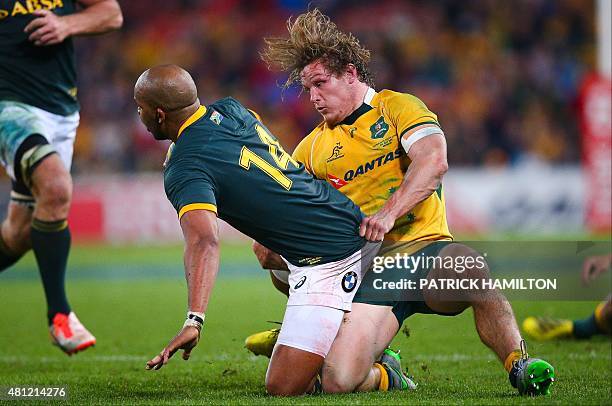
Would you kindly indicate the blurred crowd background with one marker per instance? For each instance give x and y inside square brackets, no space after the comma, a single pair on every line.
[503,76]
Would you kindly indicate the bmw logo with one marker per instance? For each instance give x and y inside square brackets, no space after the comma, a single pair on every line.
[349,281]
[300,282]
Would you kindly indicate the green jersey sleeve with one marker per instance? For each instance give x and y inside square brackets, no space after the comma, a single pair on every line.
[189,187]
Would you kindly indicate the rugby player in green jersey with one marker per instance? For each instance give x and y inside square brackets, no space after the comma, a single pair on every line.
[225,163]
[38,120]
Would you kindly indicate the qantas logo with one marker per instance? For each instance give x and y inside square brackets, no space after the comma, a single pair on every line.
[374,163]
[336,182]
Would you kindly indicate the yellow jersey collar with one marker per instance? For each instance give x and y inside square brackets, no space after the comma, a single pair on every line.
[192,119]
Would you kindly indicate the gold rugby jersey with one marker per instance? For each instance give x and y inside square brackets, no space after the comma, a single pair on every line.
[365,157]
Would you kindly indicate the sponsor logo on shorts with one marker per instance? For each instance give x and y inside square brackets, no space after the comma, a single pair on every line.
[300,282]
[349,281]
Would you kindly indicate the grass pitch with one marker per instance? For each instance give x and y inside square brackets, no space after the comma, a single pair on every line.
[134,300]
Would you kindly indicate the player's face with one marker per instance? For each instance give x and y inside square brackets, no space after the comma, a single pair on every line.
[329,93]
[149,118]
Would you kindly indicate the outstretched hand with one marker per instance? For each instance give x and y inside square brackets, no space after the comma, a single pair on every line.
[185,340]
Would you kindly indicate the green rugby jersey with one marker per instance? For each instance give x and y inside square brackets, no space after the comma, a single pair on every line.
[225,160]
[41,76]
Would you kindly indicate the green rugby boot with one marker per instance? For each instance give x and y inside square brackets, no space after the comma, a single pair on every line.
[391,361]
[531,376]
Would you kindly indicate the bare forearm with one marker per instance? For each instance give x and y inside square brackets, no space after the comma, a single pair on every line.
[201,266]
[97,18]
[421,180]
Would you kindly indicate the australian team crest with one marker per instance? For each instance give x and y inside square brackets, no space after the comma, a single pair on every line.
[216,117]
[379,128]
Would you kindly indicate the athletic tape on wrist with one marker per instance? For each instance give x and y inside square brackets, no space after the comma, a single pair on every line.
[195,319]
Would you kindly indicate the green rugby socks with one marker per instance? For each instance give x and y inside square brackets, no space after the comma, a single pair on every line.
[6,257]
[594,325]
[51,246]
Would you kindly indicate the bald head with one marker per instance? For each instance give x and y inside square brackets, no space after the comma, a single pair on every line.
[166,96]
[168,87]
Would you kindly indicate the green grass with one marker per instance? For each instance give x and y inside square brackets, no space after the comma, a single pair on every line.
[134,300]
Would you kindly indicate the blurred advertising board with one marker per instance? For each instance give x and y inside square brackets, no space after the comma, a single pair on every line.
[596,127]
[531,199]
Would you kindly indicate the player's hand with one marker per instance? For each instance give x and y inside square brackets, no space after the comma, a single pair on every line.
[47,28]
[595,266]
[374,228]
[185,340]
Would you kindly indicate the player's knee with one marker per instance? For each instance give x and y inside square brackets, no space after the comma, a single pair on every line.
[55,195]
[277,386]
[338,382]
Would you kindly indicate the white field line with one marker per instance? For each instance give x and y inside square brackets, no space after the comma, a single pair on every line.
[131,358]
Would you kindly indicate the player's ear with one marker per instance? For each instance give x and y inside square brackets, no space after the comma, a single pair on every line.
[160,115]
[351,73]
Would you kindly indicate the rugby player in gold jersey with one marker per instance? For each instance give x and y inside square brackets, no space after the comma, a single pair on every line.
[387,152]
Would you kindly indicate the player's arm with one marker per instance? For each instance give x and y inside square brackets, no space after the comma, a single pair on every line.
[201,259]
[268,259]
[424,175]
[96,17]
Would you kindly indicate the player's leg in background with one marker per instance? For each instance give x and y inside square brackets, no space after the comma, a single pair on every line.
[51,186]
[52,189]
[547,328]
[351,363]
[15,231]
[493,315]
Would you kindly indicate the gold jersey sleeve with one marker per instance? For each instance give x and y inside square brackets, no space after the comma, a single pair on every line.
[363,158]
[407,112]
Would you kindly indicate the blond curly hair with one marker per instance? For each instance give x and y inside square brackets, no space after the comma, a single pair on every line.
[314,36]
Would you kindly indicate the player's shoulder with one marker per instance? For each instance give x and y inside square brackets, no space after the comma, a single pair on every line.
[231,108]
[393,99]
[304,147]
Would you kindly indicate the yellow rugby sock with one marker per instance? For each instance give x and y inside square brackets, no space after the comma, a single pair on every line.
[599,319]
[513,356]
[384,378]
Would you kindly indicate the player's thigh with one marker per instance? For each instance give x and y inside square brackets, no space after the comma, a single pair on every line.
[306,336]
[18,122]
[364,334]
[63,135]
[455,300]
